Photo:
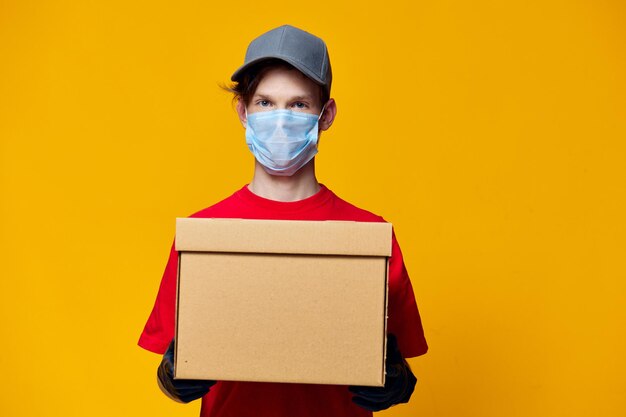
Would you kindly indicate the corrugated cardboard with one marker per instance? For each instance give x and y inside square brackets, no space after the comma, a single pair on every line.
[282,301]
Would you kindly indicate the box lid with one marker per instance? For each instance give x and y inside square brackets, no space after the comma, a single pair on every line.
[283,236]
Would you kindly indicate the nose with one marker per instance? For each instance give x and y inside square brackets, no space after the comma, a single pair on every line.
[280,132]
[281,120]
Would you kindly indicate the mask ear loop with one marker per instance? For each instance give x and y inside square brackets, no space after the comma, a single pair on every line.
[321,113]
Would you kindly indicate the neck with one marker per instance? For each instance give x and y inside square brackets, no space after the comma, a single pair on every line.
[301,185]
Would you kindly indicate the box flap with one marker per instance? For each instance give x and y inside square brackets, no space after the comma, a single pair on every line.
[283,236]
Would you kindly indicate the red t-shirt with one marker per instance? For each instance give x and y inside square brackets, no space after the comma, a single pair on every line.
[257,399]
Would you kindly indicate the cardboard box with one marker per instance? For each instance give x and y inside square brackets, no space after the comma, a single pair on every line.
[282,301]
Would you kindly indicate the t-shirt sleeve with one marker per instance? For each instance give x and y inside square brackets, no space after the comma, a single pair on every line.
[403,318]
[159,329]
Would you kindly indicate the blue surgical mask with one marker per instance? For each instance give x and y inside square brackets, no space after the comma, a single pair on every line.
[283,141]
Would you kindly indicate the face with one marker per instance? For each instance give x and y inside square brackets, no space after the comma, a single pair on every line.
[288,89]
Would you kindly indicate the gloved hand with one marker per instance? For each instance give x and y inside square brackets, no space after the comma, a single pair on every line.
[181,390]
[399,382]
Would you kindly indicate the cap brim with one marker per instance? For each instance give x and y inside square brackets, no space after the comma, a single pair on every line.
[238,74]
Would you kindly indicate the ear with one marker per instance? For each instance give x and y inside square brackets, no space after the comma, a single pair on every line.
[241,112]
[330,111]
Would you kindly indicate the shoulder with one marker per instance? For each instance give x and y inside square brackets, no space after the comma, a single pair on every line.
[224,208]
[349,211]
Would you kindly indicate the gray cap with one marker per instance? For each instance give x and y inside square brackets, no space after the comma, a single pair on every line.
[304,51]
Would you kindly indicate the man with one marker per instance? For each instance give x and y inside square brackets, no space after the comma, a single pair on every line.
[283,101]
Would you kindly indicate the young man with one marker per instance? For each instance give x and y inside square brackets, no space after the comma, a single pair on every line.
[283,101]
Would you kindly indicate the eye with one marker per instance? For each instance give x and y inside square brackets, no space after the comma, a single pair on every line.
[263,103]
[299,105]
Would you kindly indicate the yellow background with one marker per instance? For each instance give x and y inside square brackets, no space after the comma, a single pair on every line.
[490,133]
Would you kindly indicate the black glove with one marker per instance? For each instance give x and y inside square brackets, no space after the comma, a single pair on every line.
[399,383]
[183,390]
